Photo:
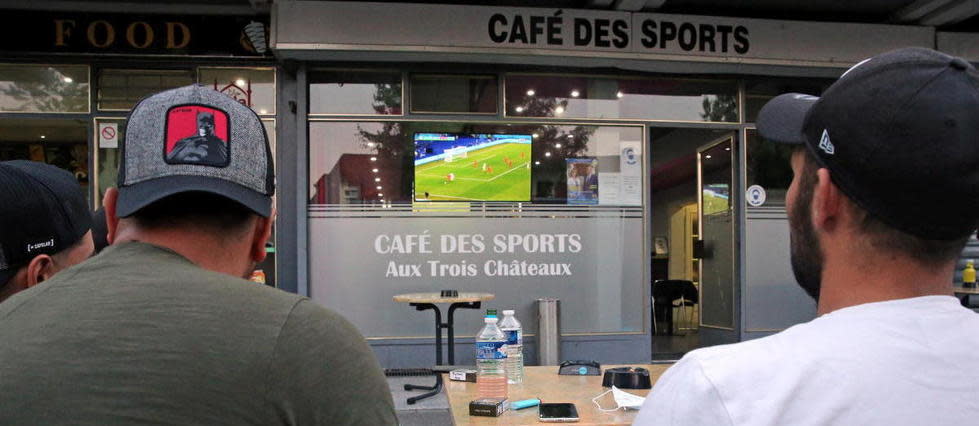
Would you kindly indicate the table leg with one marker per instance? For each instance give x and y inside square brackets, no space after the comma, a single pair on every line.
[438,328]
[450,325]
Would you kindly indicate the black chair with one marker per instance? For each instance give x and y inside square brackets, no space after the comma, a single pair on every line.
[668,294]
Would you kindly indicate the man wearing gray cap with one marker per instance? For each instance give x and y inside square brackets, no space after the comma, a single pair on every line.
[45,224]
[160,327]
[884,196]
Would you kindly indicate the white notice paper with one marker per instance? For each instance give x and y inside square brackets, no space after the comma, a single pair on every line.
[630,165]
[609,193]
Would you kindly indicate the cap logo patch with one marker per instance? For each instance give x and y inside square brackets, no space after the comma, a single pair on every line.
[40,245]
[825,144]
[197,135]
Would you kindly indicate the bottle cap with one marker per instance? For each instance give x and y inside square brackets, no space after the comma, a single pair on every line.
[508,312]
[490,320]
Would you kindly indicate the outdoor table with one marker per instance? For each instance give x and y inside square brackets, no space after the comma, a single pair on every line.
[423,301]
[544,383]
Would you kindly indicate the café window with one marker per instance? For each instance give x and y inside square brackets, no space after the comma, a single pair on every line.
[757,92]
[551,96]
[59,142]
[439,93]
[406,162]
[493,198]
[120,90]
[253,87]
[44,88]
[355,93]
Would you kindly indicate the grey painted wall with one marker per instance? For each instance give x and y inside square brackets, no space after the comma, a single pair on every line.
[772,299]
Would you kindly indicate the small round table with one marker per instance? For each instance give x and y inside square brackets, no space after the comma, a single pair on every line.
[423,301]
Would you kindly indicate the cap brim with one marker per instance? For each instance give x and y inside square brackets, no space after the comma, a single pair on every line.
[134,197]
[782,118]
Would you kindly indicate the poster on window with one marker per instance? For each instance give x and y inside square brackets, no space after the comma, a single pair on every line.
[582,180]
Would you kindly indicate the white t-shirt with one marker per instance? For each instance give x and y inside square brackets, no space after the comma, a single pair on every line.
[900,362]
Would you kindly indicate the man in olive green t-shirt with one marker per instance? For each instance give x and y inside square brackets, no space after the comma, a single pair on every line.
[160,328]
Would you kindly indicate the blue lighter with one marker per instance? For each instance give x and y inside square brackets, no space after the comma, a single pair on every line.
[524,404]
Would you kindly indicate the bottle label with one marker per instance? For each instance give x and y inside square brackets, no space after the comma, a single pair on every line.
[490,350]
[513,337]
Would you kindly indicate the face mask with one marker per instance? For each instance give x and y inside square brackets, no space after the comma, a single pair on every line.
[622,398]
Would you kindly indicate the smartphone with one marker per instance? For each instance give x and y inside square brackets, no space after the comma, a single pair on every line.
[558,412]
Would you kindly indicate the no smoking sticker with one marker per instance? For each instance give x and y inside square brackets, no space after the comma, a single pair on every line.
[755,195]
[108,135]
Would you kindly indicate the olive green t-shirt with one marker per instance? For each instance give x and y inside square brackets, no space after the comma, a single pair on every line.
[140,335]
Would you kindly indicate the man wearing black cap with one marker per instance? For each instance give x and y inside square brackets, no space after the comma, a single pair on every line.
[45,225]
[160,328]
[884,196]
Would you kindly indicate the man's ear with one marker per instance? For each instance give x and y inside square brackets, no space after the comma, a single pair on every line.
[261,235]
[827,202]
[40,268]
[110,201]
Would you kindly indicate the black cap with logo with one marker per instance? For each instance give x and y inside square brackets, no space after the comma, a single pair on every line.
[42,211]
[899,133]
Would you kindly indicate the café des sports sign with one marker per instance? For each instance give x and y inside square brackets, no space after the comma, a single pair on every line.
[397,27]
[71,32]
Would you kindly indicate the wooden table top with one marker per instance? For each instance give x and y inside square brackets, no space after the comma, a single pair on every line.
[963,290]
[543,382]
[437,298]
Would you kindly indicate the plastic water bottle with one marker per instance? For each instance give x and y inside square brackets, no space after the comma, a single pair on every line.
[491,380]
[514,347]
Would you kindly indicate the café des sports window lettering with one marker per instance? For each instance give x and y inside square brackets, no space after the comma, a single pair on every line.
[73,32]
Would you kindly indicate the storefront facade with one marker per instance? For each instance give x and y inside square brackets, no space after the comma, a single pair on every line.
[660,105]
[68,80]
[526,152]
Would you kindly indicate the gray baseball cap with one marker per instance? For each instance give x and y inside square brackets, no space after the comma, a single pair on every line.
[195,139]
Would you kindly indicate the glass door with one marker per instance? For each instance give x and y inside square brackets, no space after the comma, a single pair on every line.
[715,247]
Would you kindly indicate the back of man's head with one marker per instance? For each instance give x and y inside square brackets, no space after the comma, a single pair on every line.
[45,224]
[881,237]
[891,149]
[215,208]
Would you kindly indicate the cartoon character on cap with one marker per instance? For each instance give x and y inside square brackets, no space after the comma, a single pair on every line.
[203,148]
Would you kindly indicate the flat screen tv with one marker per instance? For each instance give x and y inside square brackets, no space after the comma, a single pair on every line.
[472,167]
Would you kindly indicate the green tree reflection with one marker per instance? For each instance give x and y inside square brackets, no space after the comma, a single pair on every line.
[722,108]
[43,90]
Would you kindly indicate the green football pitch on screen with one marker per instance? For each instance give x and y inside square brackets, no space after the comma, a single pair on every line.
[497,173]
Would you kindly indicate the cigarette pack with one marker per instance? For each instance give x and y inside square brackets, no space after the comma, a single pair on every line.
[488,407]
[463,375]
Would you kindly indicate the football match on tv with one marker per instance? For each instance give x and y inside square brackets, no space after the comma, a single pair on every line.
[472,167]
